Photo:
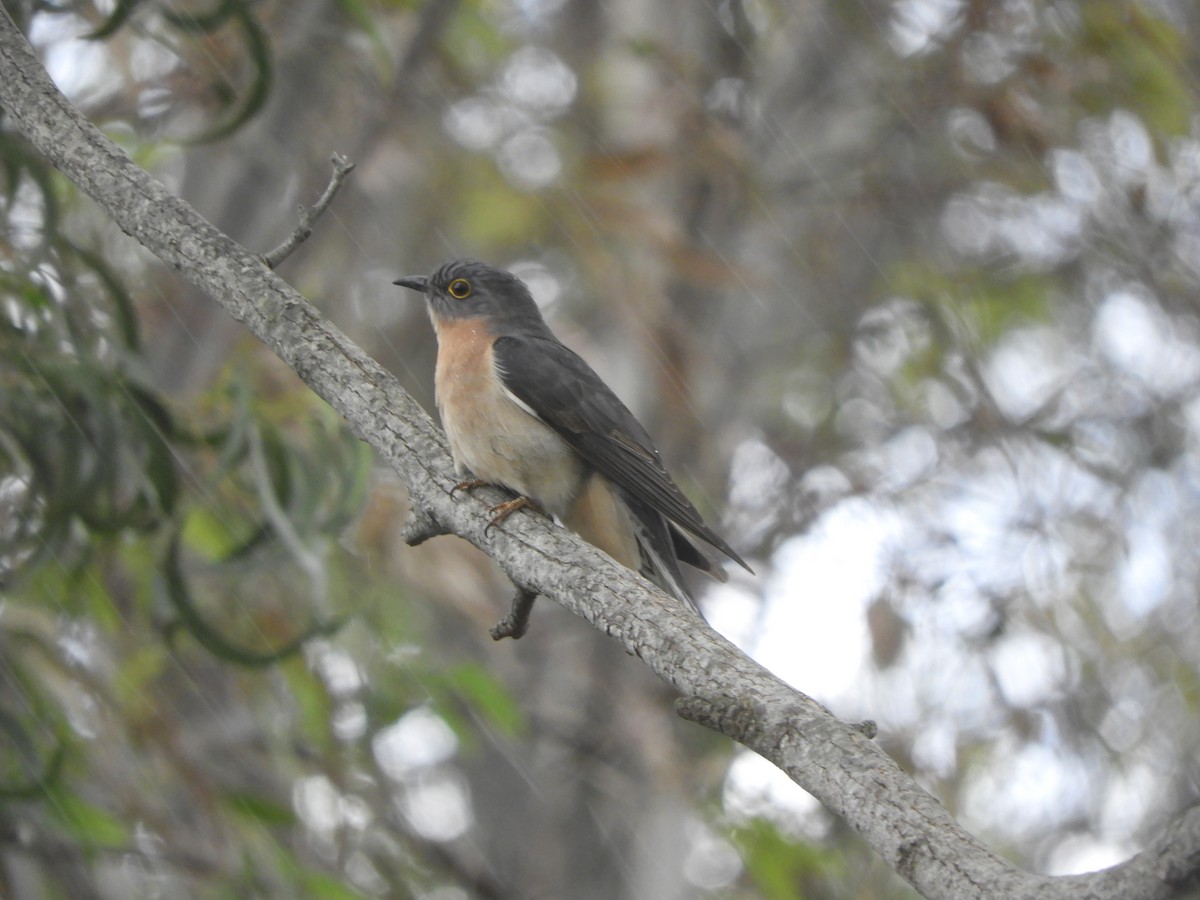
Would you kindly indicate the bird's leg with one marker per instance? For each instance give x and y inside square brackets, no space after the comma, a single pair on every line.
[500,511]
[516,622]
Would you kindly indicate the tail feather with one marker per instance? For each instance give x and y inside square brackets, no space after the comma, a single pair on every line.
[658,544]
[686,551]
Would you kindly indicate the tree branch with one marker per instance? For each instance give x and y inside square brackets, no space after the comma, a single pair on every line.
[722,687]
[516,622]
[309,215]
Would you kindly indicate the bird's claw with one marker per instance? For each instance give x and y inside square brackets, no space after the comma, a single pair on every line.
[469,485]
[502,511]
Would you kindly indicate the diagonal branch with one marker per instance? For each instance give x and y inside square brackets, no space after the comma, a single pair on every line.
[721,687]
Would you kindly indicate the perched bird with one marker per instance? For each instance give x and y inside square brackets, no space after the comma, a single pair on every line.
[524,412]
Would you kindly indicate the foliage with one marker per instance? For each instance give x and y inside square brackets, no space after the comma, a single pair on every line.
[923,271]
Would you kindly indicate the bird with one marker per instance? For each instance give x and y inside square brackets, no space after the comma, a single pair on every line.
[524,412]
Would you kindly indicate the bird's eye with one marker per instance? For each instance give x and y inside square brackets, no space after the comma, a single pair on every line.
[459,289]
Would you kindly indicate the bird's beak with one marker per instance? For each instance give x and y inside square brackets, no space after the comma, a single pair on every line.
[414,282]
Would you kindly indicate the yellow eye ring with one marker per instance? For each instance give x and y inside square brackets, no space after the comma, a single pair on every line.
[459,289]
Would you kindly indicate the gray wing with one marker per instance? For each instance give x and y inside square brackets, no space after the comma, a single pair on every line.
[564,392]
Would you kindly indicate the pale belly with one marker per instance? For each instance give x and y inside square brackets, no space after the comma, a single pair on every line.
[500,443]
[505,445]
[491,436]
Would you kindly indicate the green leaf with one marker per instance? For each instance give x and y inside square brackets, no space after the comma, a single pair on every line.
[89,824]
[487,696]
[779,866]
[495,214]
[364,18]
[312,884]
[320,885]
[312,699]
[137,670]
[1142,61]
[28,769]
[214,533]
[989,304]
[260,809]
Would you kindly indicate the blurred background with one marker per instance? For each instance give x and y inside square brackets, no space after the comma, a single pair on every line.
[904,289]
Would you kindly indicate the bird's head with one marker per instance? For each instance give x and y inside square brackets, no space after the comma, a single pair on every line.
[469,289]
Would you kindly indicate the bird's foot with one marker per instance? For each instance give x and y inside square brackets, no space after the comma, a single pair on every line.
[502,511]
[469,485]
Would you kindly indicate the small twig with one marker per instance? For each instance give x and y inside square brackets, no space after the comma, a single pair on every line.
[309,215]
[517,621]
[420,527]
